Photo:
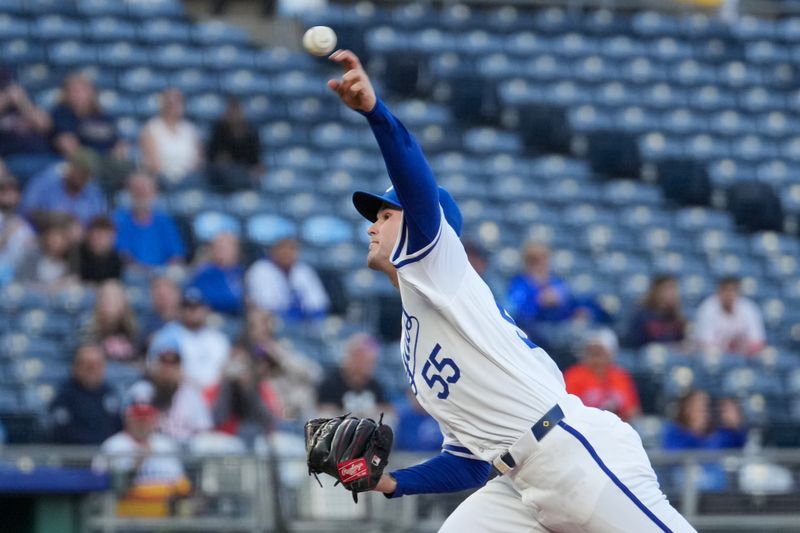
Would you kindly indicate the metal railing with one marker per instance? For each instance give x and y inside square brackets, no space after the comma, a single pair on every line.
[239,493]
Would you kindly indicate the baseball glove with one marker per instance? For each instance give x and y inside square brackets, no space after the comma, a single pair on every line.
[353,450]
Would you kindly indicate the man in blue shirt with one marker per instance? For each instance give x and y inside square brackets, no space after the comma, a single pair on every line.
[221,280]
[147,236]
[66,188]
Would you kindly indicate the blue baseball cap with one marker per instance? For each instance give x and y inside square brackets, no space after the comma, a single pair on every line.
[368,204]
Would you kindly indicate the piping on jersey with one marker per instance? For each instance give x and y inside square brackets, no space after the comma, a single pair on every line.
[575,433]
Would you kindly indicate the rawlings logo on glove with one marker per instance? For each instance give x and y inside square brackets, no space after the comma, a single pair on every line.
[353,450]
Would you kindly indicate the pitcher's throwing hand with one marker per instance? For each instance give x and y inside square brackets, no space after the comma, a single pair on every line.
[354,87]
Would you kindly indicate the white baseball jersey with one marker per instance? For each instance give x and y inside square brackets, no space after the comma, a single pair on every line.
[468,364]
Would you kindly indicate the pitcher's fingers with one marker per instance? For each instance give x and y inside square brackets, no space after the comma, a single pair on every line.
[334,84]
[357,87]
[346,58]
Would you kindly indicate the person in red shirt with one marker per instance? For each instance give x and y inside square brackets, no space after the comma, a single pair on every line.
[599,382]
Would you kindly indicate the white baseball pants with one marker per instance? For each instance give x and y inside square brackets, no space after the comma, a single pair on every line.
[588,475]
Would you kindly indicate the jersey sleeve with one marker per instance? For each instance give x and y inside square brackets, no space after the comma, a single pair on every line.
[411,176]
[451,445]
[438,269]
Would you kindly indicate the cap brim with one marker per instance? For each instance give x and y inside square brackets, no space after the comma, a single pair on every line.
[368,204]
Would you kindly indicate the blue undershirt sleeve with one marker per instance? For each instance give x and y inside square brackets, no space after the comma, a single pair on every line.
[410,174]
[444,473]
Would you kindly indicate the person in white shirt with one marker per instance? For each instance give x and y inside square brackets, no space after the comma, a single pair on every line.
[286,286]
[204,350]
[170,144]
[16,235]
[149,458]
[729,322]
[183,411]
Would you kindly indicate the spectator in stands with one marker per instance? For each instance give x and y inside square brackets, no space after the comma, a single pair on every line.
[66,188]
[148,459]
[729,322]
[183,411]
[96,260]
[353,388]
[694,429]
[113,323]
[234,151]
[146,235]
[599,382]
[169,143]
[48,266]
[536,295]
[204,350]
[86,408]
[416,430]
[17,239]
[658,318]
[24,129]
[79,123]
[286,286]
[165,298]
[293,376]
[245,403]
[221,280]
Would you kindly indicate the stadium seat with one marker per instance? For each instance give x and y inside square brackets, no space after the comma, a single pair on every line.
[155,8]
[71,54]
[164,30]
[22,52]
[99,8]
[142,79]
[176,56]
[56,27]
[267,229]
[209,224]
[122,54]
[216,32]
[322,230]
[109,28]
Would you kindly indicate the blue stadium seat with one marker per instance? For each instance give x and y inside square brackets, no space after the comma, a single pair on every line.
[776,172]
[751,28]
[621,47]
[227,57]
[193,80]
[190,202]
[261,108]
[664,96]
[711,98]
[766,52]
[155,8]
[683,121]
[299,83]
[635,119]
[555,20]
[778,125]
[282,134]
[143,79]
[508,19]
[107,28]
[56,28]
[457,17]
[15,7]
[594,69]
[738,74]
[147,105]
[753,148]
[116,103]
[209,224]
[605,22]
[72,53]
[123,54]
[358,161]
[727,171]
[279,59]
[325,230]
[300,158]
[21,52]
[333,135]
[706,147]
[215,32]
[176,56]
[526,44]
[589,118]
[730,123]
[656,146]
[757,99]
[491,141]
[161,31]
[654,24]
[244,82]
[100,8]
[771,244]
[480,42]
[205,106]
[666,49]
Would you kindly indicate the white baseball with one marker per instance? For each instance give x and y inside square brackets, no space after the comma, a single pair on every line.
[319,40]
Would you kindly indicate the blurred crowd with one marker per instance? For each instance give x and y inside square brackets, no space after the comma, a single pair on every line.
[61,225]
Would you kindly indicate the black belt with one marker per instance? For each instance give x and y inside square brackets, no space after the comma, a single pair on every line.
[540,429]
